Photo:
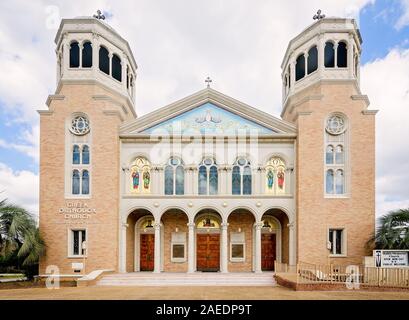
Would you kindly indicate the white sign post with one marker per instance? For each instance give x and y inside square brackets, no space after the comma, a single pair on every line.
[391,258]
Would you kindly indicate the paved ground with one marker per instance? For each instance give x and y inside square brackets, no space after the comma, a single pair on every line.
[191,293]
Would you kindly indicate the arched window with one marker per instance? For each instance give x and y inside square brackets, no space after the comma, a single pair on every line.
[87,55]
[140,175]
[300,67]
[329,155]
[329,182]
[85,182]
[75,182]
[312,60]
[174,177]
[116,68]
[336,144]
[342,55]
[241,177]
[275,176]
[74,55]
[339,155]
[75,154]
[85,154]
[339,182]
[329,55]
[208,177]
[104,60]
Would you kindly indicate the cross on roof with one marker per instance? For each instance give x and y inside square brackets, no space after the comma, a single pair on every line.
[318,15]
[99,15]
[208,81]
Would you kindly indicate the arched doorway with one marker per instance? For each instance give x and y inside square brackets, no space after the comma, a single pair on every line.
[140,241]
[175,244]
[274,239]
[240,241]
[208,224]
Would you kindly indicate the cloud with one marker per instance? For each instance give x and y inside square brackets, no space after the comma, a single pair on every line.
[20,188]
[386,81]
[403,20]
[28,144]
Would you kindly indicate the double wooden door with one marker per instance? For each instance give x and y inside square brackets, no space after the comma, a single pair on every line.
[268,251]
[147,252]
[208,252]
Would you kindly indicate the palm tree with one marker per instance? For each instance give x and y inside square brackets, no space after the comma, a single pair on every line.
[18,232]
[393,230]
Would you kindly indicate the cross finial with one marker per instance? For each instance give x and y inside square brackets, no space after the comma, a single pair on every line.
[318,15]
[208,81]
[99,15]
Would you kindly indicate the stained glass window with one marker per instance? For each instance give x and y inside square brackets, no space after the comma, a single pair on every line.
[339,155]
[174,177]
[241,177]
[275,176]
[140,175]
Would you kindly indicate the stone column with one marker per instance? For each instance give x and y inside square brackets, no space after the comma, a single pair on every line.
[336,55]
[292,72]
[224,249]
[229,180]
[292,245]
[350,56]
[122,247]
[110,55]
[157,264]
[191,248]
[321,52]
[257,268]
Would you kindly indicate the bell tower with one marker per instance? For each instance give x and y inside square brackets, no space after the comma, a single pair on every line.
[80,148]
[335,142]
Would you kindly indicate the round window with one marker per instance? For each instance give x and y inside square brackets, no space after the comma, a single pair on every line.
[80,125]
[335,125]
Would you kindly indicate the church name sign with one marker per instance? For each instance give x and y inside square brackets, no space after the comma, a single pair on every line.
[77,210]
[391,258]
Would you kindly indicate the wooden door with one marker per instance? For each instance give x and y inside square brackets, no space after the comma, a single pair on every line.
[147,252]
[208,252]
[268,251]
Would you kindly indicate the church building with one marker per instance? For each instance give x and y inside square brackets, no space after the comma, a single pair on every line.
[205,183]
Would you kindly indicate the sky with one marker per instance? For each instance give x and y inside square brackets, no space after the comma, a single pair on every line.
[177,44]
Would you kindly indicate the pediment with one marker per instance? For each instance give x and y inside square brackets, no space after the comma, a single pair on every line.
[207,112]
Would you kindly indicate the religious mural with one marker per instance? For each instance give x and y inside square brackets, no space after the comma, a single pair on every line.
[275,176]
[140,175]
[208,119]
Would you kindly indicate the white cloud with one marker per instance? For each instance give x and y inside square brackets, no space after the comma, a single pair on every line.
[20,188]
[386,81]
[28,144]
[404,18]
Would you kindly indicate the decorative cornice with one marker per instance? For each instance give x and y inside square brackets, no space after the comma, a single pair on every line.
[362,97]
[114,113]
[52,97]
[317,97]
[45,112]
[369,112]
[110,99]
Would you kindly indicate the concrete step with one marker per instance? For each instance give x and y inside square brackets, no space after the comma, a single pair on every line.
[188,279]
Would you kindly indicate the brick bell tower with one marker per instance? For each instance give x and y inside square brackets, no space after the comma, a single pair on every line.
[79,146]
[335,144]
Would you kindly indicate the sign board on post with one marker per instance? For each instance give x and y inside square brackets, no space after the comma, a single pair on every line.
[391,258]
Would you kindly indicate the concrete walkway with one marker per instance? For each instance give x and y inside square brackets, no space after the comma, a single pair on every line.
[192,293]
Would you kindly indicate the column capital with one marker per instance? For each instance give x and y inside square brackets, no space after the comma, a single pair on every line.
[291,225]
[259,225]
[191,225]
[156,225]
[224,225]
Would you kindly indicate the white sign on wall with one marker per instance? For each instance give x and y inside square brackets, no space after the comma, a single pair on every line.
[391,258]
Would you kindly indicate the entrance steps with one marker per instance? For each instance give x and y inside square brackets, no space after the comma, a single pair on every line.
[148,279]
